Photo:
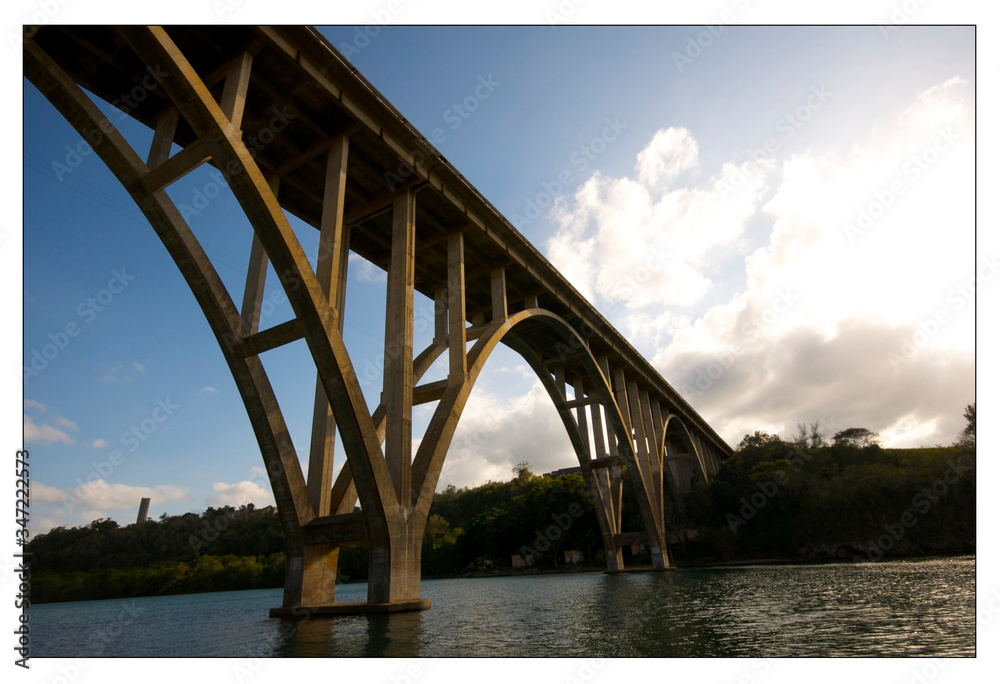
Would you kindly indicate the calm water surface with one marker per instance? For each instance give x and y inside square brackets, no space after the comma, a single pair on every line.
[897,608]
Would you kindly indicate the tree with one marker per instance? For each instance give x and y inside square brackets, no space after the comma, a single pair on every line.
[522,471]
[856,437]
[810,436]
[758,440]
[968,436]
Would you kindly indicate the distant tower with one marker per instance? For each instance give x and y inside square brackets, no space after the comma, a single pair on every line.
[143,510]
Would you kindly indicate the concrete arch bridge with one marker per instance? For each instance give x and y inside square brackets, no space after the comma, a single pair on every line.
[293,127]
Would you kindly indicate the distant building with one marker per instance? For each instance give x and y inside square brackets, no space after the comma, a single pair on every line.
[143,510]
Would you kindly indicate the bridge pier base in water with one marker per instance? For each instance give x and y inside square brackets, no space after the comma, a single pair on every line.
[349,608]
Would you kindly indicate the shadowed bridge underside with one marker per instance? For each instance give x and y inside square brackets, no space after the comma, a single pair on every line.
[294,128]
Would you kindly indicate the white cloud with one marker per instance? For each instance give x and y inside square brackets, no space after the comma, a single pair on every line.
[630,241]
[367,272]
[98,497]
[830,323]
[99,443]
[43,433]
[870,240]
[671,151]
[239,494]
[208,390]
[31,403]
[495,433]
[67,423]
[139,367]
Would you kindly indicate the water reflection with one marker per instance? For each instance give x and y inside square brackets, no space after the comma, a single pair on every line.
[898,608]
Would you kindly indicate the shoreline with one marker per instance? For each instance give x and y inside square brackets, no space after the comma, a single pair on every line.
[680,567]
[589,569]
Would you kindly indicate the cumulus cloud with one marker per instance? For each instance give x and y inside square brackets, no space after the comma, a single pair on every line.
[671,151]
[641,243]
[857,311]
[495,433]
[43,433]
[66,423]
[98,497]
[367,272]
[239,494]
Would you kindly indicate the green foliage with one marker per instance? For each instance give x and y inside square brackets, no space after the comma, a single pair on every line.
[795,498]
[806,498]
[968,435]
[855,437]
[207,573]
[490,523]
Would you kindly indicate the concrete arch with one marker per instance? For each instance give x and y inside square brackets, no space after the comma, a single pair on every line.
[673,425]
[434,447]
[437,439]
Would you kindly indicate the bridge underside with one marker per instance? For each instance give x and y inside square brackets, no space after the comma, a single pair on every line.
[293,128]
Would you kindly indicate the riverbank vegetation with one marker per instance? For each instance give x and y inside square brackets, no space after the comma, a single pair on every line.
[808,497]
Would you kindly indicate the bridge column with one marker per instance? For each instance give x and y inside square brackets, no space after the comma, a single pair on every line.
[654,522]
[602,482]
[319,566]
[394,560]
[614,472]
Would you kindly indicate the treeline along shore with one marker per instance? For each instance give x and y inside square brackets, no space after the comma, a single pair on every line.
[801,499]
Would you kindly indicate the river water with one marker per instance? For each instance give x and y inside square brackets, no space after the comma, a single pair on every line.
[895,608]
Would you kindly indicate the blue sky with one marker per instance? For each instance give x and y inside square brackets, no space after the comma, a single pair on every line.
[749,279]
